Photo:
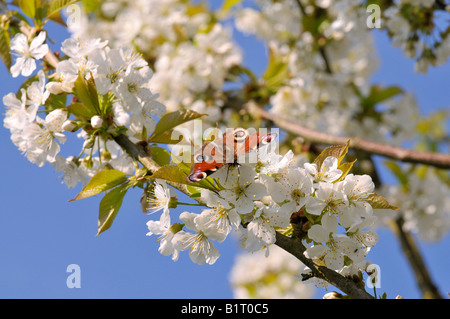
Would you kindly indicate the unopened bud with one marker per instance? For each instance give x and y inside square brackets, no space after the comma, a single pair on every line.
[88,162]
[89,143]
[106,156]
[333,295]
[70,126]
[96,121]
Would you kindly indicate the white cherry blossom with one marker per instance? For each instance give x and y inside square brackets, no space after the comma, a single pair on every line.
[166,232]
[241,189]
[27,53]
[201,248]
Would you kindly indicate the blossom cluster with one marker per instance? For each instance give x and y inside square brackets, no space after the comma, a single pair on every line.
[121,80]
[411,24]
[191,53]
[254,201]
[323,89]
[425,204]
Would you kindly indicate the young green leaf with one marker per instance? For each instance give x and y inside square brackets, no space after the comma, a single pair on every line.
[169,121]
[5,51]
[80,110]
[170,173]
[160,155]
[397,171]
[338,151]
[55,6]
[379,202]
[177,174]
[110,206]
[345,168]
[54,102]
[100,182]
[86,92]
[276,71]
[28,7]
[379,94]
[228,4]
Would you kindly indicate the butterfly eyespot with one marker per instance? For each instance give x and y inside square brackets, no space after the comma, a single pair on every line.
[202,158]
[199,158]
[267,139]
[240,134]
[195,177]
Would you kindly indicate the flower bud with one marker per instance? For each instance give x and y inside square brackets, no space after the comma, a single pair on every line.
[89,143]
[70,126]
[96,121]
[333,295]
[106,156]
[175,228]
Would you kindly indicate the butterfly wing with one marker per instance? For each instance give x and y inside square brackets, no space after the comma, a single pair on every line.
[233,144]
[253,142]
[207,160]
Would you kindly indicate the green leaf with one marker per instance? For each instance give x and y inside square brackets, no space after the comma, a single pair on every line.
[159,155]
[345,168]
[80,110]
[28,7]
[55,102]
[55,6]
[397,171]
[170,173]
[110,206]
[100,182]
[86,92]
[177,174]
[167,137]
[91,6]
[228,4]
[164,128]
[276,72]
[338,151]
[106,102]
[5,50]
[379,202]
[379,94]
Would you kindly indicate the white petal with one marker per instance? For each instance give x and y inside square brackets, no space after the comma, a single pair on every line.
[19,43]
[188,220]
[155,228]
[29,66]
[315,251]
[16,69]
[40,52]
[314,206]
[318,234]
[37,41]
[244,205]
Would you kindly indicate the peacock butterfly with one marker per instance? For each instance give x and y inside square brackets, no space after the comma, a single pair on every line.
[226,150]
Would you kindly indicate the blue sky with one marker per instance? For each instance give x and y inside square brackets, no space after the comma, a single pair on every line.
[41,233]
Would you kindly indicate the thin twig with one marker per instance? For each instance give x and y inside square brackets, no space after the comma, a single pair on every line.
[401,154]
[138,153]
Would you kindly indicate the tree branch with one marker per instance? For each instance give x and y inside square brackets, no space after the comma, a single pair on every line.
[348,286]
[423,277]
[138,153]
[404,155]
